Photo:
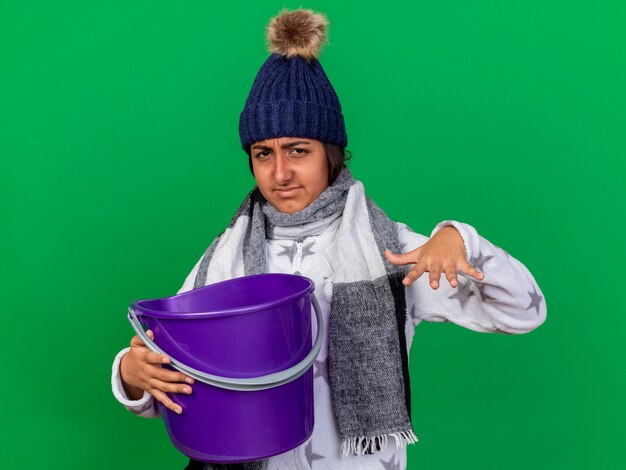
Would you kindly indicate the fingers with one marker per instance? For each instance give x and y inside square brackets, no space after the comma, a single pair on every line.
[147,355]
[158,381]
[163,382]
[159,389]
[471,271]
[163,398]
[416,272]
[154,358]
[435,264]
[451,276]
[402,258]
[169,387]
[154,370]
[171,376]
[136,342]
[148,363]
[434,276]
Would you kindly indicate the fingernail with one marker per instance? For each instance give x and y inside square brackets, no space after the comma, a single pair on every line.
[187,389]
[405,281]
[165,359]
[179,410]
[189,380]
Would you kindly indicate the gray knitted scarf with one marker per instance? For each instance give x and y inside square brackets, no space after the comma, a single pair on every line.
[367,357]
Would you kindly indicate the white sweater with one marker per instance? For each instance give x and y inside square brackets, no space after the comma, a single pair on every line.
[507,300]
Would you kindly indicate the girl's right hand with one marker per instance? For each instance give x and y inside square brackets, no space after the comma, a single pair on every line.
[141,370]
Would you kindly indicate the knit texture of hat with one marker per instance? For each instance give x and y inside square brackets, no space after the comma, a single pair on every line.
[291,94]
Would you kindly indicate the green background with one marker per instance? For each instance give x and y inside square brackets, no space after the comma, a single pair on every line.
[120,162]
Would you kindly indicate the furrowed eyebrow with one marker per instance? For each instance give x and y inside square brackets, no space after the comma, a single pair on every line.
[284,146]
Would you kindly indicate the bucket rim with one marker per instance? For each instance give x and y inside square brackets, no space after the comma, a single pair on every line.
[222,312]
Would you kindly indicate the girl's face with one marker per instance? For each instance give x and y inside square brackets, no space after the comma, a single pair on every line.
[291,172]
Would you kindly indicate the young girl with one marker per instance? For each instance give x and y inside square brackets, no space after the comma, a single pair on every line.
[307,214]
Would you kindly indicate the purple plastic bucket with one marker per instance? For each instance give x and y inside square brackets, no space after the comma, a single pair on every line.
[247,343]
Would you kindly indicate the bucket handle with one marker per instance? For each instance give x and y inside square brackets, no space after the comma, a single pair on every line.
[241,384]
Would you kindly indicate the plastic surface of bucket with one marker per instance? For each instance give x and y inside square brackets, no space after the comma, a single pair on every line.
[247,342]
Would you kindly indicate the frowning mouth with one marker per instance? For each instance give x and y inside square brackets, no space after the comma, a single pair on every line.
[286,192]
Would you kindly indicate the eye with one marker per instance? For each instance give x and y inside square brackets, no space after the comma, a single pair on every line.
[262,154]
[300,151]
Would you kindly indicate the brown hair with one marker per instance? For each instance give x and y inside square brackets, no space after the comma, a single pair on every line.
[337,157]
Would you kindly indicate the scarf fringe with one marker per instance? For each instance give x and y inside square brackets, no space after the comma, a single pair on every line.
[361,445]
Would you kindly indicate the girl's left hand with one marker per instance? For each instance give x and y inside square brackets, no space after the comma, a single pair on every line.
[444,252]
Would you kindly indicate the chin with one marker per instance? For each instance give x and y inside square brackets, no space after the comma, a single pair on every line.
[289,208]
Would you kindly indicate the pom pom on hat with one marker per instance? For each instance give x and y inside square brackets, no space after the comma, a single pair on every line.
[300,32]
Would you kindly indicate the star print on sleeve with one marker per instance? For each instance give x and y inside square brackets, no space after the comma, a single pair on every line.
[463,293]
[535,300]
[310,455]
[479,261]
[500,302]
[483,295]
[392,464]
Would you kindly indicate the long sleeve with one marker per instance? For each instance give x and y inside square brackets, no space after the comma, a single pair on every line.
[507,300]
[146,405]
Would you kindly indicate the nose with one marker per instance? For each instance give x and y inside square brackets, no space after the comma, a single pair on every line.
[282,170]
